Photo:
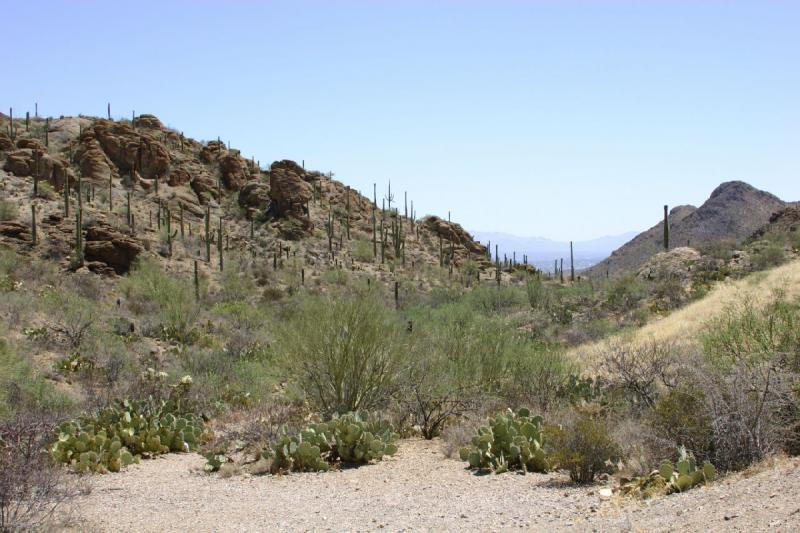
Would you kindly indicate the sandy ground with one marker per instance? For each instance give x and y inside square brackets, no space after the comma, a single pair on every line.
[419,490]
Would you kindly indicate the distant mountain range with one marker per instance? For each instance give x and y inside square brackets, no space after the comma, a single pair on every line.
[542,252]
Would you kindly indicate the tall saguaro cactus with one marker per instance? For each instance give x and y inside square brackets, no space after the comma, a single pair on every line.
[666,227]
[571,264]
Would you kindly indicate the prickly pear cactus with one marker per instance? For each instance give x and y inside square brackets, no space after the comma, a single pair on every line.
[510,441]
[121,434]
[348,439]
[670,478]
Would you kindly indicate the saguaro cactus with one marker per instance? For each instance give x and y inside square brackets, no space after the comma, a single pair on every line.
[196,283]
[208,234]
[666,227]
[33,224]
[219,245]
[571,263]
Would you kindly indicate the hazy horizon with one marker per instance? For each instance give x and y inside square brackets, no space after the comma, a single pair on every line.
[566,120]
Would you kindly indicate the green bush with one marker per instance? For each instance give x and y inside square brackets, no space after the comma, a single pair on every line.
[767,254]
[681,419]
[23,391]
[490,300]
[510,441]
[584,447]
[750,333]
[8,210]
[345,351]
[362,251]
[348,439]
[625,292]
[151,291]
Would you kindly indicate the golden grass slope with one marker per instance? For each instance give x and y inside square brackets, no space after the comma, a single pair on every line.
[684,324]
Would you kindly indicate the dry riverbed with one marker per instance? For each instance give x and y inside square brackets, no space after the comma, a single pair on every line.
[419,490]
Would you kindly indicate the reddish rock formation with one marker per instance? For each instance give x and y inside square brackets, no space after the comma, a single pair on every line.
[128,148]
[107,245]
[235,171]
[254,197]
[290,194]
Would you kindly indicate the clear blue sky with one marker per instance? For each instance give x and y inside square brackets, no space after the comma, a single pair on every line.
[568,120]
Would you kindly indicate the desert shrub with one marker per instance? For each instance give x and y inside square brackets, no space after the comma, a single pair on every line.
[553,300]
[430,407]
[767,254]
[536,376]
[638,369]
[584,447]
[509,441]
[750,333]
[668,292]
[362,250]
[489,300]
[151,291]
[46,191]
[679,418]
[72,316]
[625,292]
[8,210]
[753,410]
[351,439]
[458,435]
[345,351]
[23,391]
[236,282]
[31,488]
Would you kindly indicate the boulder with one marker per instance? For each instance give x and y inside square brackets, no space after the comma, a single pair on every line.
[47,167]
[179,176]
[290,195]
[235,171]
[105,244]
[17,163]
[15,230]
[128,148]
[95,165]
[212,151]
[204,187]
[148,121]
[254,197]
[6,144]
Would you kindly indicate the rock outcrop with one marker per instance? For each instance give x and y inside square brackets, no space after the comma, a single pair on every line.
[130,149]
[452,232]
[235,171]
[104,244]
[254,197]
[290,194]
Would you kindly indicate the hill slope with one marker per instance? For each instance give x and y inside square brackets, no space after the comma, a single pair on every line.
[732,213]
[139,178]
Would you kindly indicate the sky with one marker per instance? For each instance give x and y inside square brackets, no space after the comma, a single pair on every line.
[564,119]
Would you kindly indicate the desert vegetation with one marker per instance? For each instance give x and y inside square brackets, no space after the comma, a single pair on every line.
[306,328]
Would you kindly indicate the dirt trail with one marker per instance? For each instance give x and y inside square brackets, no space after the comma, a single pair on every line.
[419,490]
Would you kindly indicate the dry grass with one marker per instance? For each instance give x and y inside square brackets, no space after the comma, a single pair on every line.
[684,324]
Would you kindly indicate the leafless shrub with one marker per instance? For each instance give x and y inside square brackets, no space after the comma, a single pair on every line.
[640,369]
[753,412]
[456,436]
[430,411]
[31,488]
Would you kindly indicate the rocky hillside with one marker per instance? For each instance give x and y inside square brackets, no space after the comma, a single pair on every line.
[732,213]
[147,190]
